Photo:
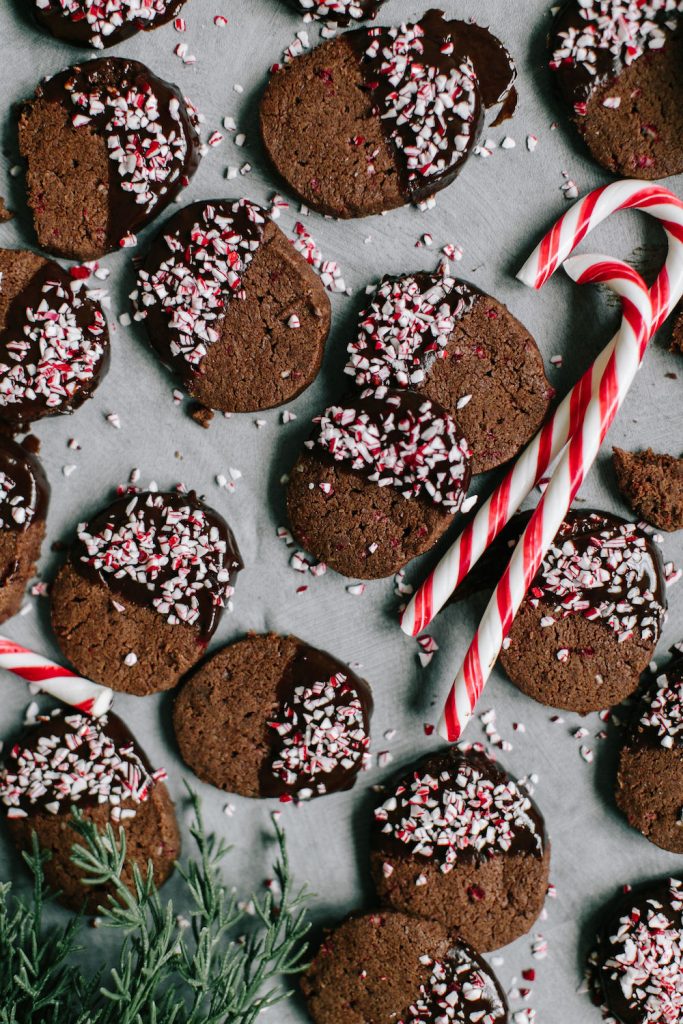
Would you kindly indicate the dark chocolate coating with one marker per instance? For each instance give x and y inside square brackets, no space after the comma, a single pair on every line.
[115,76]
[88,317]
[494,74]
[646,930]
[574,80]
[179,228]
[659,712]
[394,420]
[209,599]
[367,9]
[452,771]
[74,27]
[25,471]
[309,667]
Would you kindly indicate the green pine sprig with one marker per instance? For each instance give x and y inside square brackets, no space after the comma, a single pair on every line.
[206,973]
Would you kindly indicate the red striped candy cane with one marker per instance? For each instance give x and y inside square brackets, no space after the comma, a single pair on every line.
[578,457]
[55,680]
[533,463]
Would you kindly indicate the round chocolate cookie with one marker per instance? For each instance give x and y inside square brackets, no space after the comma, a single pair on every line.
[97,24]
[640,956]
[650,781]
[379,483]
[652,484]
[592,617]
[24,498]
[54,343]
[341,12]
[232,307]
[144,589]
[460,347]
[380,117]
[386,967]
[619,68]
[270,716]
[108,146]
[457,840]
[69,759]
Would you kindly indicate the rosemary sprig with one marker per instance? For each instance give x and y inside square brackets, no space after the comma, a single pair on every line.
[206,973]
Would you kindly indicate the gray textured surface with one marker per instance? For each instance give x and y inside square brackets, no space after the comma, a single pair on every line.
[495,211]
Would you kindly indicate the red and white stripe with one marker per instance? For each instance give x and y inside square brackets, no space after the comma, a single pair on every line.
[577,459]
[54,680]
[533,463]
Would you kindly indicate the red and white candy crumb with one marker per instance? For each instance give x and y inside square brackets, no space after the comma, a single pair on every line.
[626,29]
[404,329]
[608,576]
[148,159]
[105,18]
[328,8]
[647,958]
[56,354]
[457,991]
[176,562]
[428,112]
[321,732]
[198,279]
[664,713]
[16,510]
[81,764]
[329,270]
[419,455]
[448,816]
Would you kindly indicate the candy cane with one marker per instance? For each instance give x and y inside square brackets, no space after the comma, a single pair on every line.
[577,459]
[532,464]
[55,680]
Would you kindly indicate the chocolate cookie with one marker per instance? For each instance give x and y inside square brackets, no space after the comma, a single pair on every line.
[342,12]
[270,716]
[676,343]
[457,840]
[5,214]
[24,497]
[592,617]
[640,959]
[144,590]
[652,485]
[108,146]
[97,24]
[54,343]
[460,347]
[619,67]
[380,117]
[69,759]
[232,307]
[384,966]
[379,483]
[650,781]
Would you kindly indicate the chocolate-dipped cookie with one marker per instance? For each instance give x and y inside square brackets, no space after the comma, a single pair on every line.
[24,498]
[640,955]
[69,759]
[592,617]
[108,146]
[270,716]
[619,68]
[54,343]
[652,484]
[460,347]
[650,782]
[144,589]
[379,482]
[232,307]
[97,24]
[380,117]
[384,966]
[341,12]
[457,840]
